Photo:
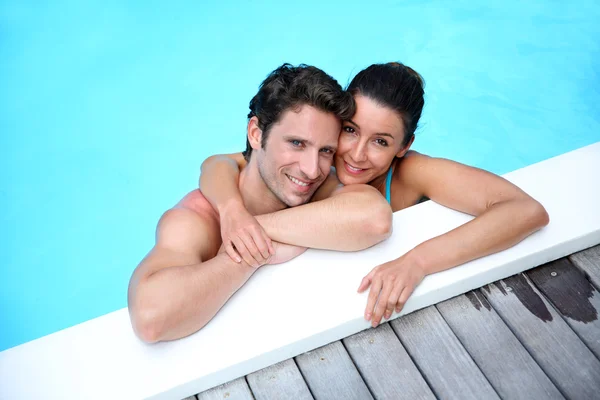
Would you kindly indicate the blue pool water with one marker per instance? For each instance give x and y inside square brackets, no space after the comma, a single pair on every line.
[107,110]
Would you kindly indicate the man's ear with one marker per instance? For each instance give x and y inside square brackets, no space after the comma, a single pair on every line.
[404,149]
[254,133]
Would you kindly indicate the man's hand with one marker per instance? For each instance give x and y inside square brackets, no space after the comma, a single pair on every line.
[391,285]
[244,238]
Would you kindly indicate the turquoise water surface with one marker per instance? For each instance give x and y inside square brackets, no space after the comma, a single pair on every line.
[108,108]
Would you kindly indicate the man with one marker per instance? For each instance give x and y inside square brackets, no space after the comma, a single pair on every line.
[293,128]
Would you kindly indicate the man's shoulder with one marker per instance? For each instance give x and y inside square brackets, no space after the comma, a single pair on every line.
[191,225]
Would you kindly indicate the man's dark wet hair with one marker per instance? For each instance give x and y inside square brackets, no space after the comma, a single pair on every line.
[290,87]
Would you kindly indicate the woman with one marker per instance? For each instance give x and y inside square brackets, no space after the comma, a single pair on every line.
[373,149]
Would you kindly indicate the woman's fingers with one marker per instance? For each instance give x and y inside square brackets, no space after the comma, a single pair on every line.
[366,281]
[242,249]
[232,253]
[403,298]
[258,237]
[253,249]
[393,299]
[381,303]
[372,299]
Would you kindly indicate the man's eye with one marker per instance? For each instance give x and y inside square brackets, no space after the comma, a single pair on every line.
[327,151]
[296,143]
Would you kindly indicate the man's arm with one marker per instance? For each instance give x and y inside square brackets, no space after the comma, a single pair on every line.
[351,218]
[179,286]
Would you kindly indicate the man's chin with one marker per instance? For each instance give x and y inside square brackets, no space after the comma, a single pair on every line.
[293,201]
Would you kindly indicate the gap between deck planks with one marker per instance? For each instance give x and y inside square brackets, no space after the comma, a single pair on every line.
[548,338]
[512,371]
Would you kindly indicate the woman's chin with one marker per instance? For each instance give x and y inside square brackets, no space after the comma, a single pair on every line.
[348,179]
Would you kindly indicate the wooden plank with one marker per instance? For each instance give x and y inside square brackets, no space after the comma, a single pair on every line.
[573,296]
[280,381]
[443,361]
[589,261]
[234,390]
[495,349]
[86,353]
[330,373]
[568,362]
[385,365]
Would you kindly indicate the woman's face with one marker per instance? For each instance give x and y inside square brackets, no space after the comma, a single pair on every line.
[368,142]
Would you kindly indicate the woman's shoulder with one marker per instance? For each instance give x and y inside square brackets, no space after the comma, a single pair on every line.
[407,166]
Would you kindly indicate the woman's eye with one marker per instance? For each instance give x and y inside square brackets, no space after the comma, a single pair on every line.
[348,129]
[381,142]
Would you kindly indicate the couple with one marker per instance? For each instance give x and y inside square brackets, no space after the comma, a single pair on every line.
[323,168]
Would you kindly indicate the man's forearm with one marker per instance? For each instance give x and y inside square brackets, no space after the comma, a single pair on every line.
[357,217]
[177,301]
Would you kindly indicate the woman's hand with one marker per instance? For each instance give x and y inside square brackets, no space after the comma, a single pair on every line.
[391,285]
[243,237]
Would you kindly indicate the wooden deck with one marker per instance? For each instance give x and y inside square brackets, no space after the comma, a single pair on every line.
[534,335]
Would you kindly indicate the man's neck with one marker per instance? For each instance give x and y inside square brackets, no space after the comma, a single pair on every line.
[257,197]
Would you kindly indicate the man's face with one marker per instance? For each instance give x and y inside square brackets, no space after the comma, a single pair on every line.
[299,154]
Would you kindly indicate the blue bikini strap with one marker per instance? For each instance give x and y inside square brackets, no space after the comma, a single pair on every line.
[388,186]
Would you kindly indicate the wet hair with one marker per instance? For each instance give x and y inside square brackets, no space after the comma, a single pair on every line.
[289,87]
[396,86]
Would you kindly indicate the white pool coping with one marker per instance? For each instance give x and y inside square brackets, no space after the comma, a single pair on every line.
[288,309]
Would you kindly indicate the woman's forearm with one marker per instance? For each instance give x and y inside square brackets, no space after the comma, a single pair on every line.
[500,227]
[219,182]
[355,218]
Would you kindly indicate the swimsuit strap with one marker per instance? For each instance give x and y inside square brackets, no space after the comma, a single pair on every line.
[388,186]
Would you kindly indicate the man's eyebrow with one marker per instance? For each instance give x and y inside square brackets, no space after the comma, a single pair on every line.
[288,138]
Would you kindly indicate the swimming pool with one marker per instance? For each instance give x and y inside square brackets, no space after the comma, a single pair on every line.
[107,111]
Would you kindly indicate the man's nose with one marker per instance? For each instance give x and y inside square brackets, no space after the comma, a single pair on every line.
[309,165]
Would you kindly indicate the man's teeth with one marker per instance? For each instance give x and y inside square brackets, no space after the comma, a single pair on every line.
[297,182]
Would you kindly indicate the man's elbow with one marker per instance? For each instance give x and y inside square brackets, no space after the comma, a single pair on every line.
[538,214]
[146,319]
[378,220]
[380,226]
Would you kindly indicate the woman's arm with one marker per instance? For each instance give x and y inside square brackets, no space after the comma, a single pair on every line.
[504,213]
[219,175]
[504,216]
[243,237]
